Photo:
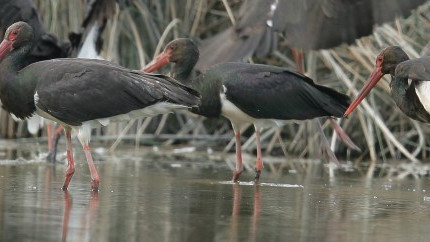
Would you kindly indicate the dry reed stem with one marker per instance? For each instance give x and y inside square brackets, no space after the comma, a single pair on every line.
[229,12]
[344,68]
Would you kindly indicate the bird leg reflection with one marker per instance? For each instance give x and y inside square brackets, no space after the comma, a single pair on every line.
[237,197]
[255,213]
[235,216]
[68,202]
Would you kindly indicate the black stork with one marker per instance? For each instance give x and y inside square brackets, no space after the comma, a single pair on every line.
[46,47]
[87,44]
[249,93]
[413,98]
[306,24]
[79,93]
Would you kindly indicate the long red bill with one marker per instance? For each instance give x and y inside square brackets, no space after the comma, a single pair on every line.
[370,83]
[5,47]
[158,62]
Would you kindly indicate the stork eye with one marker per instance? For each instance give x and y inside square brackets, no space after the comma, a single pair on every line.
[13,35]
[379,60]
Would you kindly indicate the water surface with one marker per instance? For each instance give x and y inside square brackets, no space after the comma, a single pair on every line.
[147,199]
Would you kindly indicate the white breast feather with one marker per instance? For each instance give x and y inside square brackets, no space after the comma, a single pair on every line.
[423,92]
[36,98]
[240,118]
[84,131]
[156,109]
[104,121]
[34,123]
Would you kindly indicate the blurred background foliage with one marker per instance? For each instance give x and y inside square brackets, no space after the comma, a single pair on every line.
[139,31]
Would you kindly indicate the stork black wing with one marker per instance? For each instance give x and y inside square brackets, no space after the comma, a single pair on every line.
[325,24]
[77,90]
[270,92]
[307,24]
[415,69]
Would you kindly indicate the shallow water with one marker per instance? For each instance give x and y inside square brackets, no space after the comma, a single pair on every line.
[142,199]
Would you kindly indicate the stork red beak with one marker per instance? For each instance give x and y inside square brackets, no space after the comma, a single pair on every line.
[370,83]
[159,61]
[5,47]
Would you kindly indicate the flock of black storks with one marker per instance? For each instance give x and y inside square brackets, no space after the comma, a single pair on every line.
[77,93]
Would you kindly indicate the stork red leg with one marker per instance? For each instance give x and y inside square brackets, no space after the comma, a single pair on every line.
[342,135]
[53,142]
[58,131]
[51,156]
[298,58]
[259,163]
[95,179]
[49,135]
[56,137]
[70,162]
[77,92]
[239,165]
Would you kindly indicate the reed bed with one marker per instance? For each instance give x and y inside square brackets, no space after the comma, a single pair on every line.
[140,31]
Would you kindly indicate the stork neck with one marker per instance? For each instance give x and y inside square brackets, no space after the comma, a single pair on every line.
[9,68]
[181,74]
[399,87]
[15,61]
[16,95]
[182,70]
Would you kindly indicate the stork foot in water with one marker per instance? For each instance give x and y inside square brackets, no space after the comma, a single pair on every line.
[78,93]
[250,93]
[53,143]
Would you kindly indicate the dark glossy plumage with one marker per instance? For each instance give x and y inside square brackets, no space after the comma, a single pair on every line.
[307,24]
[405,94]
[249,93]
[267,92]
[409,82]
[78,90]
[408,102]
[47,46]
[325,24]
[72,91]
[416,69]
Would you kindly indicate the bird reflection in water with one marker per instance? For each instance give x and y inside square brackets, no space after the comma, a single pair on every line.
[256,213]
[68,203]
[88,218]
[235,218]
[90,214]
[237,198]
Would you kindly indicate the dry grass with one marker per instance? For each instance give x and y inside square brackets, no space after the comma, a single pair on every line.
[378,127]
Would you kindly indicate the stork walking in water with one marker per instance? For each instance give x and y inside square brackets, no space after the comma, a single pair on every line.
[249,93]
[78,93]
